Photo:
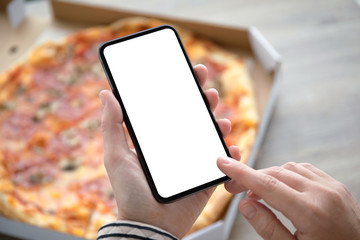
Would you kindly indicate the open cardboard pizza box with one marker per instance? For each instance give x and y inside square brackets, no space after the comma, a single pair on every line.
[262,60]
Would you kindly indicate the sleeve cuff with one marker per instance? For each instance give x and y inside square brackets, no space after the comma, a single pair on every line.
[132,230]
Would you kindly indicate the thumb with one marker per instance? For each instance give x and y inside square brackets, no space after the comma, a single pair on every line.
[263,220]
[115,144]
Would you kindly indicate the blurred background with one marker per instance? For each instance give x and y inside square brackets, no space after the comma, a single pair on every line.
[317,114]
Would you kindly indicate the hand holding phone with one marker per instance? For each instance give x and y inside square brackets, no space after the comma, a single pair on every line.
[176,138]
[132,193]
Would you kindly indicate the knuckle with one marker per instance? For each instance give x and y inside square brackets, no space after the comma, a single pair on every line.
[330,193]
[269,182]
[312,210]
[241,168]
[334,197]
[277,170]
[326,200]
[315,207]
[306,165]
[289,165]
[274,171]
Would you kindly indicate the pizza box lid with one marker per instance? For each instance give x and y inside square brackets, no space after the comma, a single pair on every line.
[262,59]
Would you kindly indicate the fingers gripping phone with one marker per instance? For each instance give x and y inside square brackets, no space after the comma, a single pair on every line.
[165,110]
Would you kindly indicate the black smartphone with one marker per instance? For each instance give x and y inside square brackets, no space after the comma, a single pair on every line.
[165,110]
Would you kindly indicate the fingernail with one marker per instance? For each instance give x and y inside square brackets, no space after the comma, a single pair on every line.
[225,160]
[102,98]
[248,210]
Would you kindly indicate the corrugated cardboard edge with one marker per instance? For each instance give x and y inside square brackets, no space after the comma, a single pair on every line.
[69,11]
[26,231]
[269,58]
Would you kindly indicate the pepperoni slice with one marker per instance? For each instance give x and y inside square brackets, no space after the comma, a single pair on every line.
[48,79]
[35,175]
[18,126]
[73,106]
[67,141]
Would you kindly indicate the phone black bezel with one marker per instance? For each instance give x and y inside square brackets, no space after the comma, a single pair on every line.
[115,91]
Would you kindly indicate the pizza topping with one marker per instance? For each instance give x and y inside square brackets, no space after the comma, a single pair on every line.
[8,105]
[47,55]
[74,78]
[18,126]
[38,149]
[69,74]
[110,193]
[70,164]
[91,124]
[45,109]
[20,162]
[73,106]
[20,89]
[70,137]
[68,144]
[91,53]
[46,78]
[215,83]
[36,175]
[69,167]
[56,93]
[98,71]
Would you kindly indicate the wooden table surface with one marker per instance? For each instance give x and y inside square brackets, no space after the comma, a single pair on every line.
[317,116]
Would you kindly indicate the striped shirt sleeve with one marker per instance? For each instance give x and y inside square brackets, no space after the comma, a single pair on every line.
[132,230]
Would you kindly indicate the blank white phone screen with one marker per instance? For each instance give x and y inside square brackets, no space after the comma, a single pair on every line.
[169,117]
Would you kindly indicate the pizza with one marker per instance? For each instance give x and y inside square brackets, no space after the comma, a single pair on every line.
[51,152]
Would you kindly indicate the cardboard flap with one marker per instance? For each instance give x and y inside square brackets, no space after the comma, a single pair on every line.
[267,55]
[26,231]
[214,231]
